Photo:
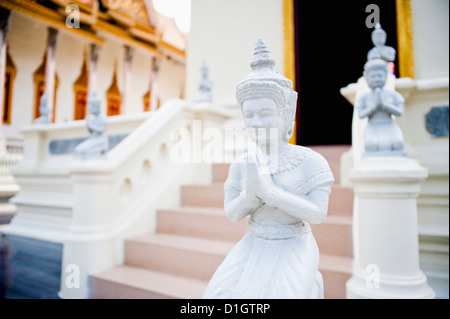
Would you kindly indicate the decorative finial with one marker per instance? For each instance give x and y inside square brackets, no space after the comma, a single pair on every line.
[262,58]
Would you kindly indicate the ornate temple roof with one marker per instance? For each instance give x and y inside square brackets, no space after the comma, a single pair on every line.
[134,22]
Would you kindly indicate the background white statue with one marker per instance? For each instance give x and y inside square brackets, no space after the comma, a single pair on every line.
[205,86]
[97,143]
[382,136]
[381,50]
[282,187]
[44,111]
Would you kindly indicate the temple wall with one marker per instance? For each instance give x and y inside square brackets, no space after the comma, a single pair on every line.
[69,59]
[430,35]
[27,42]
[223,35]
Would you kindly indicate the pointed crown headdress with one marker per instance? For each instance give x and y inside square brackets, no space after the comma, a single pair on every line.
[263,82]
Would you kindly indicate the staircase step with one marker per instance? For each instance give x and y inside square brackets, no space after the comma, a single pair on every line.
[220,172]
[341,198]
[341,201]
[126,282]
[199,258]
[202,222]
[334,235]
[203,195]
[178,255]
[335,270]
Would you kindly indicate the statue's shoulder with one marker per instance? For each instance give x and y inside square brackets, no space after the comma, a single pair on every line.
[310,157]
[299,160]
[314,166]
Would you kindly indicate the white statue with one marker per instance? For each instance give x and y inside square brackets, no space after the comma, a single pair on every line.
[282,187]
[205,87]
[44,111]
[382,136]
[97,143]
[381,50]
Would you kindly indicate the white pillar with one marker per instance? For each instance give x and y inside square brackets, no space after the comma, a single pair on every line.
[93,59]
[5,16]
[154,84]
[52,40]
[129,52]
[385,230]
[89,246]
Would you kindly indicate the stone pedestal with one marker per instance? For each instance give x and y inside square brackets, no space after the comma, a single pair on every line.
[385,235]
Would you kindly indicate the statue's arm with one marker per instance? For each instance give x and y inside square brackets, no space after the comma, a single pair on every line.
[311,208]
[366,107]
[390,54]
[98,126]
[395,108]
[238,203]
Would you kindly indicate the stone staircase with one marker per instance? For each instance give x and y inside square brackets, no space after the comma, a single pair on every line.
[192,240]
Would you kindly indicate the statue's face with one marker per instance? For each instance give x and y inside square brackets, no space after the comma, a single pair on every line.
[262,120]
[94,107]
[379,38]
[204,71]
[376,79]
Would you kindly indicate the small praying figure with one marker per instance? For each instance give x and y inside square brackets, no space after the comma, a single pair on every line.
[205,87]
[381,50]
[382,135]
[283,188]
[96,145]
[44,111]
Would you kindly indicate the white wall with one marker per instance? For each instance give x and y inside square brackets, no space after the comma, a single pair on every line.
[69,59]
[172,76]
[430,36]
[111,52]
[27,41]
[223,34]
[140,81]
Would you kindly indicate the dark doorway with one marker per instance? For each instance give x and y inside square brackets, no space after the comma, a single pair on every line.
[332,42]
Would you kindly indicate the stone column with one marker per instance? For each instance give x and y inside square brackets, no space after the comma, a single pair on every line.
[129,53]
[385,230]
[52,41]
[93,59]
[5,16]
[154,86]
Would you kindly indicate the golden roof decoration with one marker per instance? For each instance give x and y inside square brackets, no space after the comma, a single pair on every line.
[135,23]
[128,12]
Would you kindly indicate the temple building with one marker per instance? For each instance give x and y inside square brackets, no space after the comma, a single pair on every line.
[141,223]
[111,49]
